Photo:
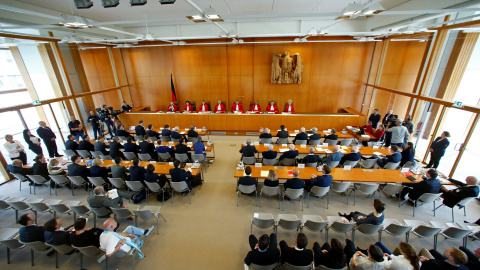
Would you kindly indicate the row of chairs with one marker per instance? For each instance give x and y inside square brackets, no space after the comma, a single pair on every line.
[345,142]
[316,223]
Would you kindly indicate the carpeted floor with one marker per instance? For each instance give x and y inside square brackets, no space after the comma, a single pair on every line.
[212,232]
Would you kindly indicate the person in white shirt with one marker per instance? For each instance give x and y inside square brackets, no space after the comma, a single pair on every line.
[15,149]
[404,257]
[111,241]
[374,261]
[399,133]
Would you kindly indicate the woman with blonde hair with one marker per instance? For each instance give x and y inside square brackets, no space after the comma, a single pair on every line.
[54,169]
[272,180]
[404,257]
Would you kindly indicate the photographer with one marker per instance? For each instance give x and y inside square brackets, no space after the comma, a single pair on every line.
[105,116]
[94,120]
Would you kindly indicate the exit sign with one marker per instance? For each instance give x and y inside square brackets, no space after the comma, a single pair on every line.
[457,104]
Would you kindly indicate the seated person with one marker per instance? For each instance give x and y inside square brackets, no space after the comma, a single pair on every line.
[334,156]
[454,196]
[119,171]
[126,107]
[248,150]
[71,144]
[324,180]
[332,136]
[291,153]
[315,136]
[289,107]
[331,256]
[430,184]
[298,255]
[130,146]
[137,173]
[452,258]
[219,108]
[199,147]
[54,167]
[147,147]
[152,177]
[17,167]
[368,127]
[75,169]
[180,174]
[374,260]
[263,251]
[272,108]
[83,237]
[122,132]
[115,147]
[377,136]
[100,146]
[182,148]
[237,107]
[311,157]
[188,107]
[40,166]
[98,171]
[166,132]
[192,133]
[283,133]
[270,154]
[165,148]
[272,179]
[99,199]
[403,257]
[375,218]
[295,182]
[265,133]
[353,156]
[175,135]
[55,234]
[472,256]
[172,107]
[85,144]
[256,107]
[408,154]
[247,180]
[140,130]
[30,232]
[204,107]
[112,241]
[301,136]
[395,157]
[151,132]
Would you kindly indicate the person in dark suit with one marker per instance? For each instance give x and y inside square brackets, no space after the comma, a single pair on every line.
[137,173]
[140,130]
[298,255]
[147,147]
[473,258]
[263,251]
[83,237]
[353,156]
[291,153]
[175,134]
[375,118]
[334,156]
[192,133]
[122,132]
[98,171]
[85,144]
[295,182]
[152,177]
[126,107]
[99,199]
[324,180]
[76,169]
[301,136]
[395,157]
[282,134]
[100,145]
[166,132]
[311,157]
[452,197]
[247,180]
[265,133]
[388,117]
[430,184]
[248,150]
[130,146]
[331,256]
[71,144]
[437,149]
[30,232]
[17,167]
[333,136]
[115,147]
[119,171]
[315,136]
[151,132]
[55,234]
[33,142]
[452,258]
[48,138]
[106,118]
[94,120]
[179,174]
[165,148]
[374,218]
[270,154]
[40,166]
[182,148]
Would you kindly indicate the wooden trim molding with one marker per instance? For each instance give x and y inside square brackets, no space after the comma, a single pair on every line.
[13,91]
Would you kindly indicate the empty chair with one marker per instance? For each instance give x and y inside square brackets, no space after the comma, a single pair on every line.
[38,180]
[367,229]
[63,208]
[455,233]
[135,186]
[293,194]
[100,212]
[80,210]
[340,187]
[393,227]
[11,244]
[130,155]
[147,213]
[269,162]
[266,140]
[90,251]
[409,164]
[96,154]
[334,164]
[97,181]
[288,222]
[461,204]
[64,249]
[319,192]
[59,180]
[426,198]
[315,142]
[368,163]
[20,179]
[106,157]
[271,192]
[249,160]
[181,187]
[78,181]
[346,142]
[331,142]
[23,206]
[139,138]
[165,156]
[262,221]
[350,163]
[391,165]
[247,190]
[313,223]
[367,189]
[122,213]
[391,190]
[69,153]
[84,154]
[145,157]
[422,230]
[155,187]
[300,142]
[44,206]
[287,162]
[117,182]
[338,226]
[35,246]
[181,157]
[282,141]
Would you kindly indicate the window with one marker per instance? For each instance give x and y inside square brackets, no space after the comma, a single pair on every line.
[10,77]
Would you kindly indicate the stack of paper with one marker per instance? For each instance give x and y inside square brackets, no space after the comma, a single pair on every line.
[342,151]
[319,149]
[344,147]
[365,136]
[377,153]
[282,150]
[328,151]
[264,173]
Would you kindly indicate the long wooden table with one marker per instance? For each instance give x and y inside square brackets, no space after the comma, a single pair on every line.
[367,151]
[323,134]
[359,137]
[181,131]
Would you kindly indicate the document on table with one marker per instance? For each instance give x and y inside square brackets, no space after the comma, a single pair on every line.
[342,151]
[377,153]
[367,170]
[112,194]
[328,151]
[319,149]
[282,150]
[264,174]
[344,147]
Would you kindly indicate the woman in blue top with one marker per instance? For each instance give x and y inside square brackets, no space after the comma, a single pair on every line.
[375,218]
[408,154]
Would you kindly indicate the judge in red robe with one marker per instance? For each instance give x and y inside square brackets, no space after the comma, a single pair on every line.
[289,107]
[219,108]
[368,127]
[204,107]
[237,107]
[188,107]
[255,107]
[272,108]
[172,107]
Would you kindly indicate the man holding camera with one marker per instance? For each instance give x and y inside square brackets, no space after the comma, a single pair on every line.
[105,117]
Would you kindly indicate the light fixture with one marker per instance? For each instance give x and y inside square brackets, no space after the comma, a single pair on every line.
[352,9]
[110,3]
[374,9]
[196,16]
[179,43]
[147,36]
[167,2]
[76,22]
[83,4]
[212,15]
[72,39]
[408,29]
[237,41]
[230,34]
[137,2]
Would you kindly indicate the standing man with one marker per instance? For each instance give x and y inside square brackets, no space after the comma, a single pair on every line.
[126,107]
[409,125]
[107,120]
[76,128]
[388,116]
[94,120]
[399,134]
[48,138]
[375,118]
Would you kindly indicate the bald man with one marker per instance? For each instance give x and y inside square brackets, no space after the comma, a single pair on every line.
[295,182]
[452,197]
[334,156]
[301,136]
[291,153]
[112,241]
